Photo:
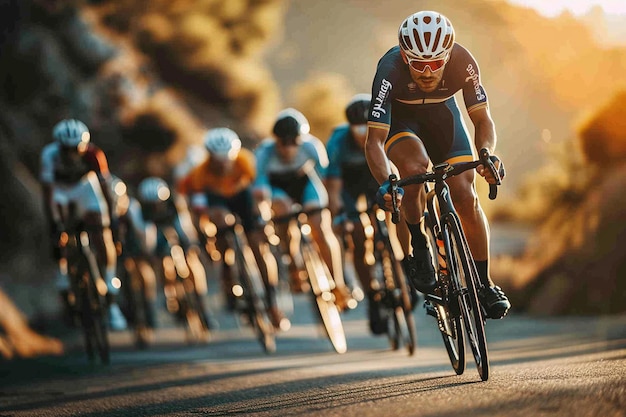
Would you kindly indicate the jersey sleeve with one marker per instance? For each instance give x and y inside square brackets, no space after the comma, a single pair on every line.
[382,86]
[46,168]
[474,93]
[317,152]
[334,148]
[262,153]
[97,161]
[247,160]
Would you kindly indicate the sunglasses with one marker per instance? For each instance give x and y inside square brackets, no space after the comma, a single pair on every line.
[420,66]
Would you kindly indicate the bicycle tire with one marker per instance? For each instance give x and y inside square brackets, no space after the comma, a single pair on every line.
[193,309]
[250,278]
[405,332]
[93,319]
[454,341]
[326,308]
[139,306]
[464,275]
[450,325]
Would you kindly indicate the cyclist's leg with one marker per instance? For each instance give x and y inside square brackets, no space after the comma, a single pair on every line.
[408,154]
[218,214]
[315,196]
[473,219]
[92,209]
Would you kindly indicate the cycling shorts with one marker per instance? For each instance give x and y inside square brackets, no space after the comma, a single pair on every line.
[240,204]
[85,196]
[439,126]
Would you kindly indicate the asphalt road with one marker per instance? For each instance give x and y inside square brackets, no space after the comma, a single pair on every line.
[539,367]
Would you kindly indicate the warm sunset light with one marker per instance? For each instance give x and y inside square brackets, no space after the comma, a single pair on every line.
[577,7]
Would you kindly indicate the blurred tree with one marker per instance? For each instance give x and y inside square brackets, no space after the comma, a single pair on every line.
[323,98]
[602,136]
[210,49]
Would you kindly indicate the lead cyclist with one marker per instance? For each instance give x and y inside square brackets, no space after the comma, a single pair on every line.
[414,120]
[75,173]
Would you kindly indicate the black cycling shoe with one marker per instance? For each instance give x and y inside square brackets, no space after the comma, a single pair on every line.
[494,302]
[420,271]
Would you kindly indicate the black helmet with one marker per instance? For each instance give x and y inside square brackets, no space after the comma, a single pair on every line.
[289,125]
[358,109]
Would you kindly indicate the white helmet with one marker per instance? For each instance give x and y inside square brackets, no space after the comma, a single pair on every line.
[153,190]
[70,133]
[222,142]
[426,36]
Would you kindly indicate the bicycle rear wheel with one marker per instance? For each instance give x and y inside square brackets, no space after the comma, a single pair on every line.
[448,315]
[328,311]
[464,277]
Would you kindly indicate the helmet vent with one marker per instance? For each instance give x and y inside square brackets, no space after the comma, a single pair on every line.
[418,42]
[437,36]
[426,19]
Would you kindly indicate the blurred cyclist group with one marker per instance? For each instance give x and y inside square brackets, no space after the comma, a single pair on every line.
[130,228]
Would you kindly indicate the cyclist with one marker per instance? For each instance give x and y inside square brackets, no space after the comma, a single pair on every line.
[347,179]
[221,185]
[414,119]
[290,169]
[167,214]
[75,172]
[129,234]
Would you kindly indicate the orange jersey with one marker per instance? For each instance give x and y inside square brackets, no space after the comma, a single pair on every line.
[202,179]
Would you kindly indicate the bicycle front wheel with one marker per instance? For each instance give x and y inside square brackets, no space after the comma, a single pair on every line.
[93,317]
[464,278]
[446,307]
[253,289]
[328,311]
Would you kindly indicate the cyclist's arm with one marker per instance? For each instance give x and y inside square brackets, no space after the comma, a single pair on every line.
[98,161]
[375,151]
[184,224]
[485,137]
[335,202]
[46,177]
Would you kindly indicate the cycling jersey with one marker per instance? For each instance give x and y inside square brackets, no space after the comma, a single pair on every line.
[75,181]
[299,179]
[165,215]
[347,162]
[202,179]
[399,104]
[55,168]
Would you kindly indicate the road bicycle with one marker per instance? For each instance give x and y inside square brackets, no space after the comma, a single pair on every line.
[184,276]
[392,293]
[88,289]
[247,283]
[320,282]
[454,301]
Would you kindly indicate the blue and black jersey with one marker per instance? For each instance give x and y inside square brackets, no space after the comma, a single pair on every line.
[398,103]
[347,162]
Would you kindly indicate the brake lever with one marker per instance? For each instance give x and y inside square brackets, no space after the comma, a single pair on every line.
[393,190]
[485,158]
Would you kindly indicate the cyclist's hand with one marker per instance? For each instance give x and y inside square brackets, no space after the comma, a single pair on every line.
[383,196]
[486,173]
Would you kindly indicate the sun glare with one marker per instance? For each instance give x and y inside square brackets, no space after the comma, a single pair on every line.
[578,7]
